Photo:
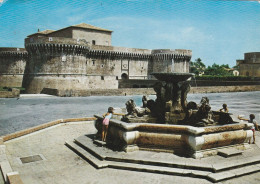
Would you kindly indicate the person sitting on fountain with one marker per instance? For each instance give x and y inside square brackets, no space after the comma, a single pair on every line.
[107,116]
[251,120]
[224,109]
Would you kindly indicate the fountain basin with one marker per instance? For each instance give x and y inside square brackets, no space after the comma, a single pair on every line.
[196,142]
[172,77]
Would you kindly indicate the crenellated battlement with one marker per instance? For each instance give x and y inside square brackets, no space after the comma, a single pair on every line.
[6,52]
[167,54]
[12,66]
[56,45]
[117,55]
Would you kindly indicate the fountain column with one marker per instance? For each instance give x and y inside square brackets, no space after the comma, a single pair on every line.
[171,95]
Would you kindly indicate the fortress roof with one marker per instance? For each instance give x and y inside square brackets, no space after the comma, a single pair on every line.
[45,32]
[82,25]
[88,26]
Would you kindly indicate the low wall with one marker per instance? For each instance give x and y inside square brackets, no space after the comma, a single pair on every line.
[10,94]
[223,89]
[144,91]
[194,83]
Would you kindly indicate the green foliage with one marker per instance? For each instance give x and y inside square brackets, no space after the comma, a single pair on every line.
[3,89]
[197,67]
[218,70]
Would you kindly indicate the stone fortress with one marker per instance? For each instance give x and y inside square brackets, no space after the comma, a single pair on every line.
[250,65]
[81,57]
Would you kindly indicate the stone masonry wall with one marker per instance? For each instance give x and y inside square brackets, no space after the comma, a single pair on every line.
[72,64]
[148,91]
[12,66]
[100,37]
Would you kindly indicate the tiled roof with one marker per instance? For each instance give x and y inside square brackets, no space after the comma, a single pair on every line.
[45,32]
[88,26]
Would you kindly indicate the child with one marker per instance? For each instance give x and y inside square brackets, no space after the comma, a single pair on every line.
[107,116]
[224,109]
[251,120]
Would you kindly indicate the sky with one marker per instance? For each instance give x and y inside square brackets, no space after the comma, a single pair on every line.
[216,31]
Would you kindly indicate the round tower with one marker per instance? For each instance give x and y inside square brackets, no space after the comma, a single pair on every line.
[58,63]
[167,60]
[12,66]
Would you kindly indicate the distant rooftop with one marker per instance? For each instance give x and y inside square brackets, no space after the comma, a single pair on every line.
[88,26]
[82,25]
[45,32]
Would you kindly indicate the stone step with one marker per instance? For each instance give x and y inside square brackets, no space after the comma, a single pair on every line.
[237,163]
[134,166]
[225,175]
[229,152]
[234,170]
[99,143]
[107,154]
[159,169]
[88,145]
[86,155]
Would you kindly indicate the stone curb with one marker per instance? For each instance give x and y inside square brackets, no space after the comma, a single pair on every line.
[43,126]
[9,175]
[14,178]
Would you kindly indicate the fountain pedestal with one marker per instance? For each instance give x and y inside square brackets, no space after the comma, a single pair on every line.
[171,94]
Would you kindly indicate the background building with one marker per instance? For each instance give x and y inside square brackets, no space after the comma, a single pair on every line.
[81,57]
[250,65]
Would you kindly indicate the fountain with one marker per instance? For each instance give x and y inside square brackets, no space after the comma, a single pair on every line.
[171,124]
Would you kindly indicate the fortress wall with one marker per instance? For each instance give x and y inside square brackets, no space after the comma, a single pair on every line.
[167,60]
[181,65]
[138,69]
[100,37]
[67,83]
[67,67]
[252,57]
[252,69]
[71,64]
[12,66]
[103,66]
[121,49]
[161,66]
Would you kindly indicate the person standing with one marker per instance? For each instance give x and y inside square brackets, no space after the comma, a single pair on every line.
[107,116]
[251,120]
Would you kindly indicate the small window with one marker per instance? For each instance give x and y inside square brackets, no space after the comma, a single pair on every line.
[116,77]
[93,62]
[102,78]
[102,66]
[93,42]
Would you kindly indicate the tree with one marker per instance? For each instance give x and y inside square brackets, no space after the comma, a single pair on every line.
[220,70]
[197,67]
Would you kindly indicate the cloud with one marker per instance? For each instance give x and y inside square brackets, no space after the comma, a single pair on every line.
[167,31]
[2,2]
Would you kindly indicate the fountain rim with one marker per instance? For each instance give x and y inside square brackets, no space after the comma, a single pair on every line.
[170,128]
[173,76]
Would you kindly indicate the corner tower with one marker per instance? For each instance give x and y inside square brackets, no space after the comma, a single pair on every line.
[12,66]
[167,60]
